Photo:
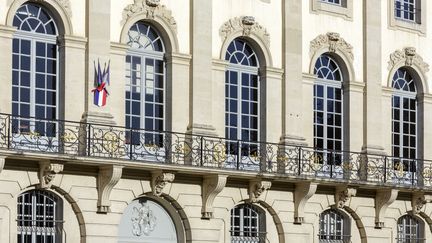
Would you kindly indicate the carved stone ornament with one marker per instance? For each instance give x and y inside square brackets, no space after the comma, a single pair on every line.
[108,177]
[303,191]
[143,220]
[343,195]
[409,57]
[151,9]
[47,173]
[65,4]
[383,199]
[246,25]
[159,181]
[418,201]
[257,188]
[212,186]
[333,42]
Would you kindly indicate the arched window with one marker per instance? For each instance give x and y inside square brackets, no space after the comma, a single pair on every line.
[404,125]
[145,84]
[328,112]
[410,230]
[334,227]
[242,98]
[39,217]
[35,83]
[248,224]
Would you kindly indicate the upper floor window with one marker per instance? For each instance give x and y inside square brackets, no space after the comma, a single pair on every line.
[39,217]
[242,98]
[337,2]
[410,230]
[334,227]
[35,83]
[248,224]
[145,84]
[407,10]
[337,8]
[404,125]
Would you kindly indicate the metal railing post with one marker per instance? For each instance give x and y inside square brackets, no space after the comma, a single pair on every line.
[201,151]
[332,162]
[238,154]
[385,169]
[299,161]
[130,145]
[9,124]
[88,139]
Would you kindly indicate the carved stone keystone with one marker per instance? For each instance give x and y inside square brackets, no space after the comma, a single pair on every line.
[246,25]
[383,199]
[159,180]
[408,56]
[418,200]
[343,195]
[303,191]
[47,173]
[333,42]
[212,186]
[108,177]
[257,188]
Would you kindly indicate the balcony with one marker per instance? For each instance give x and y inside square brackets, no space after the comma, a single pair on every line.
[84,140]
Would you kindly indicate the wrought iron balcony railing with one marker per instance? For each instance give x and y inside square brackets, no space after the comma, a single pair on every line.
[101,141]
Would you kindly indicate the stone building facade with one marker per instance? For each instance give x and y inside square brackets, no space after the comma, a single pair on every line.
[226,121]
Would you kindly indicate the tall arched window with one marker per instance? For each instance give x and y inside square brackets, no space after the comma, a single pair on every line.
[248,224]
[328,111]
[404,125]
[39,217]
[145,84]
[410,230]
[334,227]
[35,70]
[242,98]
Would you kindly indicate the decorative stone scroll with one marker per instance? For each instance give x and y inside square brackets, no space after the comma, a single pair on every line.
[409,57]
[65,4]
[333,42]
[303,191]
[151,9]
[108,177]
[343,195]
[257,188]
[159,181]
[383,199]
[245,25]
[47,173]
[212,186]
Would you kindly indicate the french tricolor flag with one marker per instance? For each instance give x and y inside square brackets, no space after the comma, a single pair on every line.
[101,80]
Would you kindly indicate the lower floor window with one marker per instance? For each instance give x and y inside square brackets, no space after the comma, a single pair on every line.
[39,218]
[247,224]
[334,227]
[410,230]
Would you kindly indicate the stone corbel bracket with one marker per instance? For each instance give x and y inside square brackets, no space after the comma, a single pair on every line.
[343,195]
[408,56]
[257,188]
[333,42]
[108,177]
[47,172]
[212,186]
[383,199]
[2,163]
[246,25]
[159,181]
[418,201]
[303,191]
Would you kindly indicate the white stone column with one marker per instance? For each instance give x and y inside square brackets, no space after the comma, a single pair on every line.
[271,107]
[201,95]
[352,117]
[98,48]
[73,76]
[292,98]
[373,133]
[219,69]
[6,35]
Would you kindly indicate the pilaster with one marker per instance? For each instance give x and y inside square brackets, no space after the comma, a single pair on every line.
[6,35]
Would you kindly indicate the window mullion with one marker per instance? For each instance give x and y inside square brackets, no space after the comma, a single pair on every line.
[142,87]
[239,107]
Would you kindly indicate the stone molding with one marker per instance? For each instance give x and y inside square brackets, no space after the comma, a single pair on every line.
[246,25]
[211,187]
[108,177]
[159,181]
[408,56]
[65,4]
[303,191]
[151,9]
[257,188]
[383,199]
[7,31]
[343,195]
[333,42]
[47,173]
